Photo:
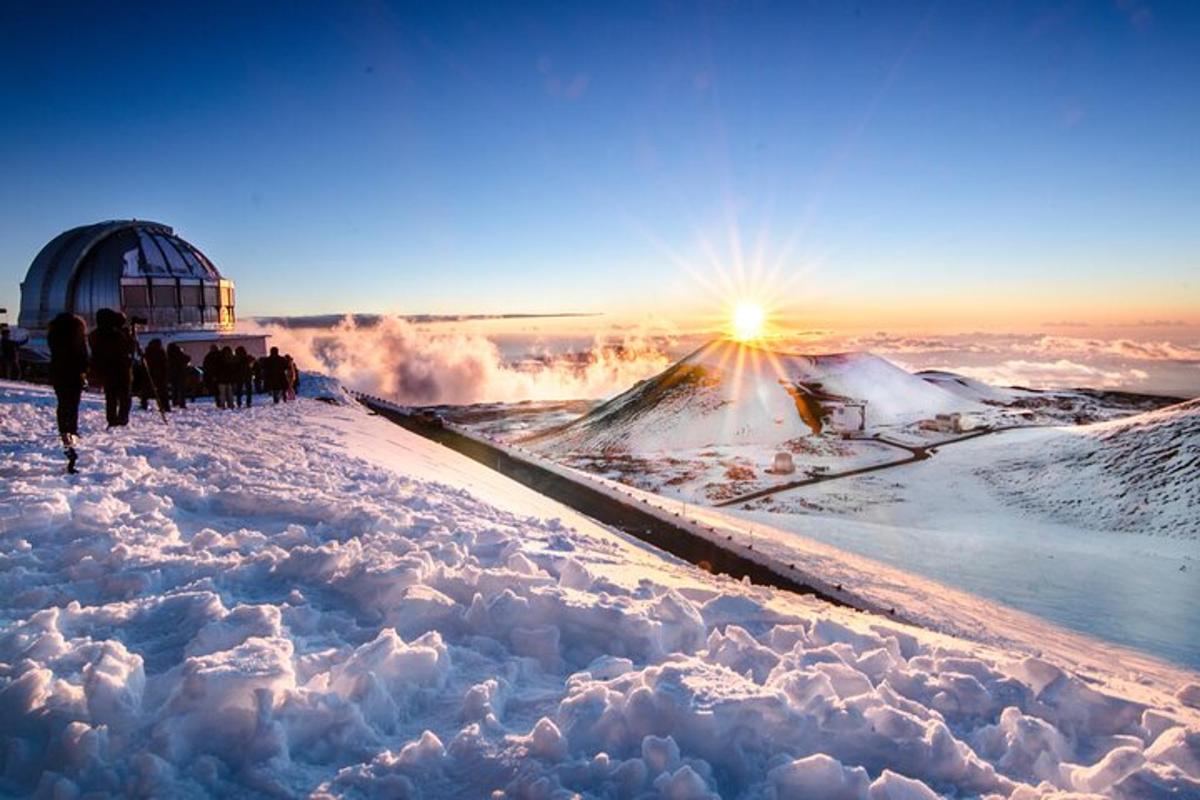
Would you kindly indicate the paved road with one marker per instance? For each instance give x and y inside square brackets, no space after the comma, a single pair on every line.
[916,453]
[625,516]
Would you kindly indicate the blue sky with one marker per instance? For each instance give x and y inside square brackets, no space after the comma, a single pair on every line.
[963,159]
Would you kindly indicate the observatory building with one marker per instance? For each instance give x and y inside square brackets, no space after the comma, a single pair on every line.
[142,269]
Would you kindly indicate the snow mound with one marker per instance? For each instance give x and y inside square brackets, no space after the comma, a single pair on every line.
[728,393]
[1138,474]
[320,386]
[250,607]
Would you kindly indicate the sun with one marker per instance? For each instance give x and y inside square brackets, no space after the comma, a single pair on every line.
[748,322]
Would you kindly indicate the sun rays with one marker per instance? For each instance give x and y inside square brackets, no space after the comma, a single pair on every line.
[748,322]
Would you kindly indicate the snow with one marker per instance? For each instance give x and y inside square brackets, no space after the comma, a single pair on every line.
[1092,526]
[971,388]
[1137,474]
[305,599]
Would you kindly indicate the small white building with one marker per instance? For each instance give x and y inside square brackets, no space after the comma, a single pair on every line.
[845,415]
[783,463]
[945,423]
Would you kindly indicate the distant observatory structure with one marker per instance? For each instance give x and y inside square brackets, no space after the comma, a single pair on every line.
[142,269]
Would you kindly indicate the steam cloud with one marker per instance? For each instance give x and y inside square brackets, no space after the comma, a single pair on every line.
[410,364]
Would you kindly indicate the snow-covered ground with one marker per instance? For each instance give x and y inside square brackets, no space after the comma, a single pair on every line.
[954,518]
[306,599]
[1090,518]
[1140,474]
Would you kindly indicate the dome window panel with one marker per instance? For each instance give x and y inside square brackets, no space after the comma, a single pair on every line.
[164,295]
[191,295]
[135,295]
[131,267]
[175,261]
[153,261]
[196,268]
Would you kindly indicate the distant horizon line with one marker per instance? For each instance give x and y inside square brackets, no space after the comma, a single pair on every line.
[325,320]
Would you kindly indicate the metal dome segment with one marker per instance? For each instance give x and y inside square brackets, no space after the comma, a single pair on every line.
[139,266]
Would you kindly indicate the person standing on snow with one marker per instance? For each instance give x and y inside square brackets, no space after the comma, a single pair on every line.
[155,358]
[178,369]
[226,374]
[66,337]
[212,366]
[243,377]
[275,374]
[293,378]
[113,348]
[260,365]
[10,355]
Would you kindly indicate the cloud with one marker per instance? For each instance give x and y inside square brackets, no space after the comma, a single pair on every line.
[1159,365]
[1160,323]
[409,363]
[1059,373]
[1160,350]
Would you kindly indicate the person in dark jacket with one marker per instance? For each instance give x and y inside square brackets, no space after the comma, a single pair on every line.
[226,374]
[260,365]
[212,367]
[10,355]
[113,348]
[66,336]
[275,375]
[178,370]
[243,378]
[155,361]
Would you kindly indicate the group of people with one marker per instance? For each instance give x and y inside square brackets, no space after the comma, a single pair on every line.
[234,375]
[110,357]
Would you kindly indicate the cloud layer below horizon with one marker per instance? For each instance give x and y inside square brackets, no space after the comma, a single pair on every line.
[1050,361]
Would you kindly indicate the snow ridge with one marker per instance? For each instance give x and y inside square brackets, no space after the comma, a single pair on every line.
[1139,474]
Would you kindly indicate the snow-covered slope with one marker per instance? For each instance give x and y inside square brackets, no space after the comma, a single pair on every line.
[305,599]
[728,393]
[969,388]
[1139,474]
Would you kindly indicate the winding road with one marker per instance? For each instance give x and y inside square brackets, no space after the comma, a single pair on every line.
[916,453]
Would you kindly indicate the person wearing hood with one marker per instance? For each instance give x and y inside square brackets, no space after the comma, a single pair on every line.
[226,375]
[155,360]
[113,348]
[66,336]
[243,376]
[275,375]
[178,369]
[212,369]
